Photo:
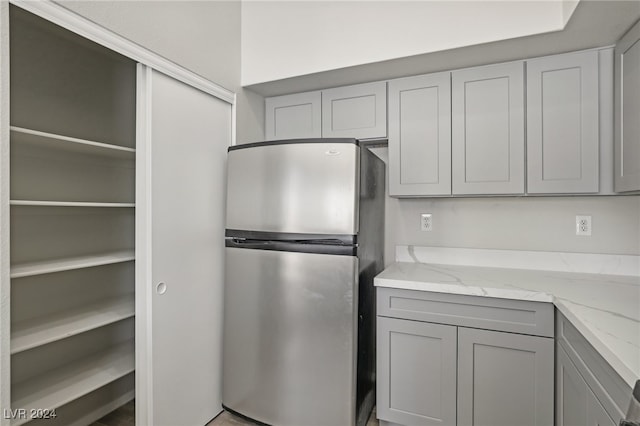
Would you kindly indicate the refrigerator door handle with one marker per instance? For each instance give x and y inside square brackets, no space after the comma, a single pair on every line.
[294,246]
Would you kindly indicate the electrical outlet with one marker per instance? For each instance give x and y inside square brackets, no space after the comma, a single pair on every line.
[583,225]
[426,222]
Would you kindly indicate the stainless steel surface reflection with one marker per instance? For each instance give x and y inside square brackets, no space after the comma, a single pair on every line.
[290,337]
[304,240]
[309,188]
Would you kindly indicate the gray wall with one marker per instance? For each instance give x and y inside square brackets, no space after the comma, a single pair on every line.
[202,36]
[516,223]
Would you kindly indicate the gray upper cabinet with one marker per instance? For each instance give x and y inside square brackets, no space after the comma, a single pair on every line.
[420,135]
[293,116]
[416,381]
[627,112]
[488,129]
[562,123]
[463,132]
[504,379]
[358,111]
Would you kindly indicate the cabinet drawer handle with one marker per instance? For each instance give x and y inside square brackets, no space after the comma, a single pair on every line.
[161,288]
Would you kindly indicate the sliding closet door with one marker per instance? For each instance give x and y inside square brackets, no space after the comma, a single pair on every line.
[183,135]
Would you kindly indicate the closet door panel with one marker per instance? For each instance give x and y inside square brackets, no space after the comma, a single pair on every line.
[186,141]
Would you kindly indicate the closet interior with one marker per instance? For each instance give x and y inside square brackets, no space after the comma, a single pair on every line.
[72,217]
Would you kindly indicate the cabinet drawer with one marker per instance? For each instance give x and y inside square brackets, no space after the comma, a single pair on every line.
[516,316]
[606,384]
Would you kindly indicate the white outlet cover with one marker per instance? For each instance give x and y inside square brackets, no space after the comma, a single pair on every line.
[583,225]
[426,222]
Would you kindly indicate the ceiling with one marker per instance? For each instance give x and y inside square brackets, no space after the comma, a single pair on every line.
[593,24]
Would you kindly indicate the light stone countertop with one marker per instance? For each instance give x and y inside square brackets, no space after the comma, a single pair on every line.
[604,308]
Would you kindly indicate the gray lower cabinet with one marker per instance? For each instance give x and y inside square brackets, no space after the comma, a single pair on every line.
[572,392]
[596,414]
[504,379]
[576,403]
[588,391]
[416,372]
[431,373]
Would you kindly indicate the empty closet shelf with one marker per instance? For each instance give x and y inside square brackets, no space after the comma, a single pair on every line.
[39,331]
[80,146]
[73,381]
[36,203]
[58,265]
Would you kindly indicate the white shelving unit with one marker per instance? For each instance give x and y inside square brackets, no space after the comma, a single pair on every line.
[40,331]
[67,204]
[72,217]
[59,265]
[75,380]
[39,139]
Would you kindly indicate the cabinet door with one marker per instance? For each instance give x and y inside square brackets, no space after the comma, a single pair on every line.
[562,123]
[572,392]
[416,373]
[627,111]
[293,116]
[183,138]
[420,135]
[488,129]
[504,379]
[358,111]
[596,414]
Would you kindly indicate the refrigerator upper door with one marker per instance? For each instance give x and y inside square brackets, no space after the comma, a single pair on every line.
[303,187]
[290,336]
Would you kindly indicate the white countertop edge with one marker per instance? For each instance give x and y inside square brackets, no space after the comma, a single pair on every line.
[465,290]
[618,366]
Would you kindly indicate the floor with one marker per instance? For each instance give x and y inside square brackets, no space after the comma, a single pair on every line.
[228,419]
[125,416]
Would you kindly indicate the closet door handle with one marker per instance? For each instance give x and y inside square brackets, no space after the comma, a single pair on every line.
[161,288]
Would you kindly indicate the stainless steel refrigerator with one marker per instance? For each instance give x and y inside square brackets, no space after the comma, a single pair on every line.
[304,239]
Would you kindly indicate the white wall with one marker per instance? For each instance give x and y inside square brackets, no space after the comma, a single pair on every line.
[202,36]
[568,7]
[516,223]
[287,39]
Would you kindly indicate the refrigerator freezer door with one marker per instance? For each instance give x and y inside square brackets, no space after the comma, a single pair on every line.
[307,188]
[290,337]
